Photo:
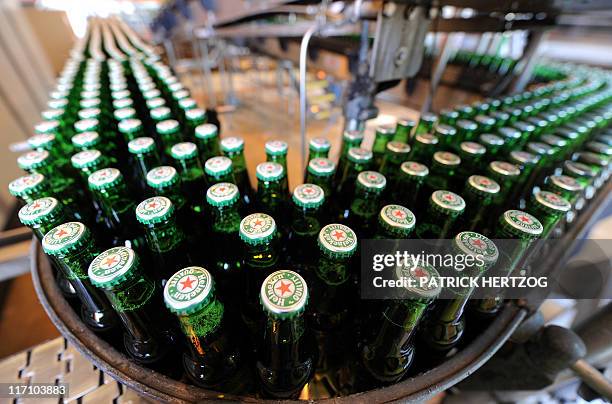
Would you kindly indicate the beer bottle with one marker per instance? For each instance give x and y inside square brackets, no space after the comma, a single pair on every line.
[485,123]
[207,139]
[118,104]
[157,102]
[49,143]
[565,186]
[318,147]
[540,125]
[233,147]
[321,172]
[306,222]
[395,154]
[448,117]
[350,139]
[395,222]
[446,135]
[131,129]
[471,154]
[29,187]
[124,113]
[501,118]
[165,181]
[193,118]
[271,193]
[583,174]
[219,169]
[72,247]
[118,273]
[492,144]
[466,130]
[403,129]
[480,192]
[213,360]
[410,181]
[445,329]
[165,238]
[89,161]
[285,358]
[444,172]
[548,208]
[144,158]
[365,204]
[511,138]
[384,134]
[388,352]
[169,133]
[88,141]
[276,151]
[426,123]
[443,210]
[507,176]
[423,147]
[58,129]
[193,182]
[527,131]
[358,160]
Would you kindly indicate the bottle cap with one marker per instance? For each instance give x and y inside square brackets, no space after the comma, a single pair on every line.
[269,171]
[189,290]
[308,196]
[564,183]
[184,151]
[476,245]
[524,127]
[524,158]
[257,228]
[321,167]
[33,160]
[567,133]
[195,114]
[162,176]
[104,178]
[419,284]
[161,114]
[232,144]
[86,158]
[187,103]
[414,169]
[57,104]
[337,241]
[169,126]
[398,147]
[385,131]
[124,113]
[359,155]
[52,114]
[66,238]
[504,169]
[442,130]
[472,148]
[521,224]
[47,127]
[26,185]
[120,104]
[206,131]
[320,144]
[371,181]
[406,122]
[276,148]
[130,125]
[447,203]
[466,125]
[574,168]
[551,203]
[489,139]
[599,148]
[86,139]
[113,267]
[397,220]
[42,141]
[428,117]
[284,294]
[154,93]
[483,186]
[447,159]
[554,141]
[352,137]
[484,120]
[90,113]
[509,133]
[42,210]
[141,145]
[222,194]
[158,102]
[592,159]
[180,93]
[154,210]
[426,138]
[218,165]
[86,125]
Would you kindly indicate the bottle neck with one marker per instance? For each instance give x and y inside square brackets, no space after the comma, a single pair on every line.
[200,327]
[325,182]
[76,264]
[146,162]
[131,295]
[164,237]
[306,222]
[333,271]
[117,205]
[271,195]
[281,342]
[226,219]
[238,161]
[313,154]
[190,169]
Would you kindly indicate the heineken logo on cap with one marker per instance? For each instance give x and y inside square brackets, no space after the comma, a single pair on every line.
[338,238]
[157,207]
[111,265]
[63,235]
[32,159]
[321,165]
[207,131]
[426,138]
[308,195]
[284,293]
[476,244]
[422,279]
[505,168]
[398,147]
[104,177]
[257,227]
[184,150]
[414,169]
[358,154]
[352,136]
[523,222]
[129,125]
[397,216]
[371,180]
[524,157]
[472,148]
[319,144]
[85,139]
[232,143]
[41,140]
[188,289]
[89,113]
[446,158]
[47,126]
[552,201]
[223,193]
[448,200]
[483,184]
[276,147]
[26,182]
[167,126]
[37,209]
[161,175]
[160,113]
[85,158]
[218,165]
[269,171]
[56,104]
[194,114]
[125,113]
[566,183]
[85,125]
[141,145]
[187,103]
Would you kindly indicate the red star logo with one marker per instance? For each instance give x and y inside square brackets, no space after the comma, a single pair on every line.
[257,223]
[187,283]
[419,272]
[110,261]
[485,181]
[371,177]
[524,219]
[399,213]
[553,198]
[339,235]
[152,205]
[36,205]
[308,190]
[221,189]
[478,243]
[61,233]
[284,288]
[449,197]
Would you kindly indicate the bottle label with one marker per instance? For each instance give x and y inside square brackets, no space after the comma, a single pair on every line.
[284,292]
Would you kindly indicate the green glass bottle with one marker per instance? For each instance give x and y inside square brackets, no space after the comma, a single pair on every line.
[318,147]
[358,160]
[321,172]
[89,161]
[165,239]
[423,147]
[169,133]
[479,193]
[193,182]
[207,139]
[194,117]
[403,130]
[285,357]
[49,143]
[426,123]
[565,186]
[306,222]
[271,193]
[448,117]
[444,172]
[485,123]
[583,174]
[233,147]
[131,129]
[72,247]
[527,132]
[507,175]
[219,169]
[276,151]
[466,130]
[395,222]
[446,135]
[29,187]
[384,134]
[493,145]
[471,154]
[365,204]
[395,154]
[410,184]
[88,141]
[350,139]
[124,113]
[444,209]
[549,208]
[511,138]
[144,158]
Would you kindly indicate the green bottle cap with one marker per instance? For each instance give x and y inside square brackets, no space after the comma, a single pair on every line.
[33,160]
[504,169]
[397,220]
[426,138]
[27,185]
[385,131]
[359,155]
[180,93]
[447,203]
[57,104]
[167,127]
[206,131]
[104,179]
[284,295]
[124,113]
[567,133]
[523,158]
[187,104]
[537,122]
[195,114]
[276,148]
[308,196]
[86,125]
[161,114]
[154,210]
[449,114]
[257,228]
[554,141]
[154,93]
[490,140]
[352,137]
[218,165]
[405,123]
[564,184]
[189,290]
[269,171]
[321,167]
[90,113]
[52,114]
[42,141]
[337,241]
[232,144]
[42,210]
[371,181]
[509,133]
[162,176]
[86,158]
[419,282]
[476,245]
[90,94]
[66,238]
[500,116]
[158,102]
[446,159]
[86,139]
[521,224]
[319,144]
[483,186]
[141,145]
[472,148]
[442,131]
[551,203]
[113,267]
[396,147]
[184,151]
[130,125]
[414,169]
[124,103]
[222,194]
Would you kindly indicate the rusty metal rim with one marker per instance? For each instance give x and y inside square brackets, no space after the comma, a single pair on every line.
[159,387]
